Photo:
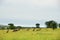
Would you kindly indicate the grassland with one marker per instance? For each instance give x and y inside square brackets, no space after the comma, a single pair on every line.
[23,34]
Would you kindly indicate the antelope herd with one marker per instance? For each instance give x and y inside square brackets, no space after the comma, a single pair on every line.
[27,29]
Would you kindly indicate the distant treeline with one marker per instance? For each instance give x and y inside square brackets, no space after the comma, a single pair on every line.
[49,24]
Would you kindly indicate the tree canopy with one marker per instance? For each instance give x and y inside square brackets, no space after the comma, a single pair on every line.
[51,24]
[11,26]
[37,25]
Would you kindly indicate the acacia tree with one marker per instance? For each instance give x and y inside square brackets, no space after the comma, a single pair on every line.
[51,24]
[37,25]
[11,26]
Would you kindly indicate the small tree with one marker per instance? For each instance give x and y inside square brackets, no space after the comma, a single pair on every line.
[51,24]
[37,25]
[11,26]
[59,25]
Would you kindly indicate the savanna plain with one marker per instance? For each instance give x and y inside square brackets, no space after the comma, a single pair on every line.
[25,34]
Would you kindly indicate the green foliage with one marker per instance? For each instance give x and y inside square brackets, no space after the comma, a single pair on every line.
[59,25]
[37,25]
[11,26]
[51,24]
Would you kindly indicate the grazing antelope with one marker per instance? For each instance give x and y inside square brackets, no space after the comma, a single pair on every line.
[7,30]
[34,29]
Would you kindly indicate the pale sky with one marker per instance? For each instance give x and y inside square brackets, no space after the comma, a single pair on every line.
[29,12]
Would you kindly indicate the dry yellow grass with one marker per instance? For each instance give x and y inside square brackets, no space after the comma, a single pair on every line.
[43,34]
